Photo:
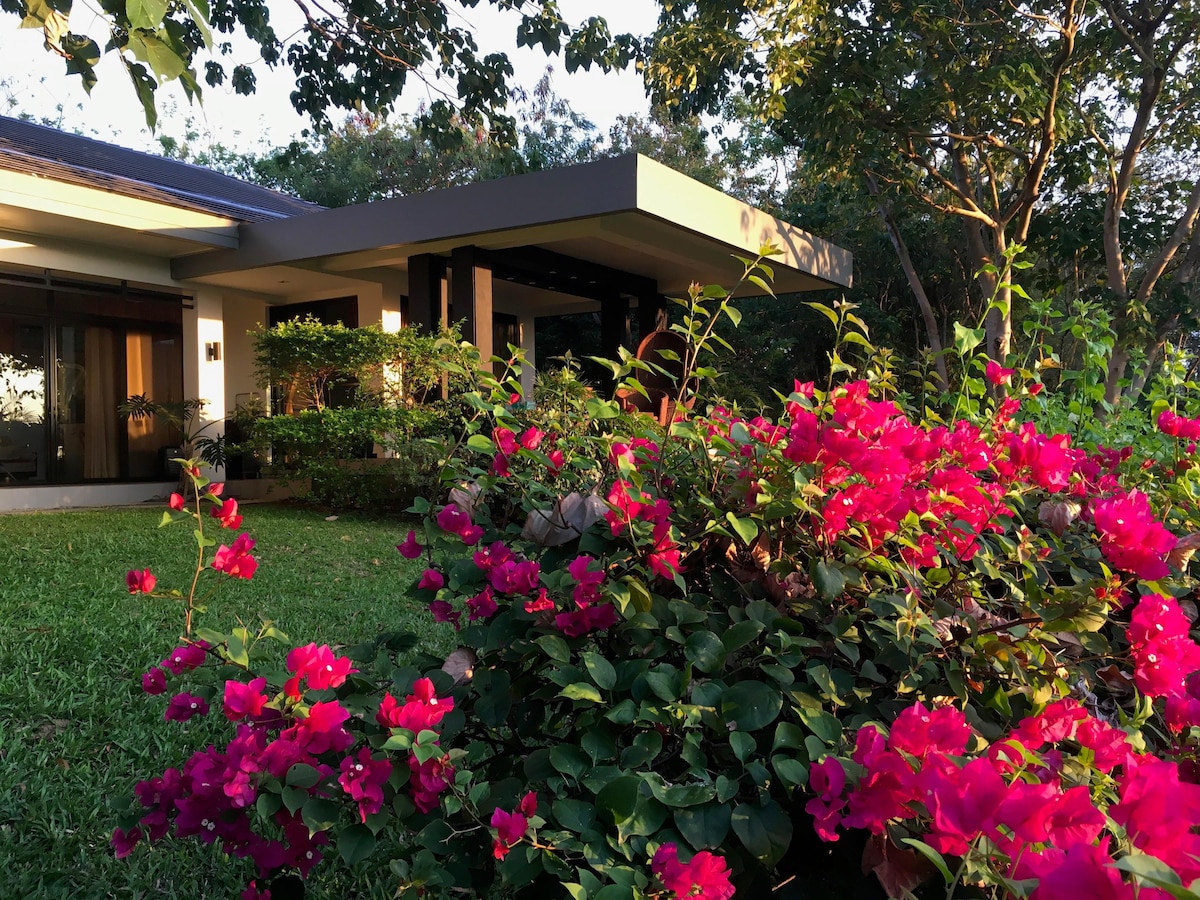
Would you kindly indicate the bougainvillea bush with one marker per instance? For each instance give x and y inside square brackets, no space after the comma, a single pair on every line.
[733,655]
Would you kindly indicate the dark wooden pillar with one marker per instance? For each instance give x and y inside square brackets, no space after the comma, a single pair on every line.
[471,296]
[614,324]
[652,312]
[427,296]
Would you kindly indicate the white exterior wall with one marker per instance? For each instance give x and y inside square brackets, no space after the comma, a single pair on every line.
[243,314]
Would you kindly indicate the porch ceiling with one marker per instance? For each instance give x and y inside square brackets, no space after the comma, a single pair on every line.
[627,213]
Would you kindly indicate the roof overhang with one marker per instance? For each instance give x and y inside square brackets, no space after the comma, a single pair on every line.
[627,213]
[34,205]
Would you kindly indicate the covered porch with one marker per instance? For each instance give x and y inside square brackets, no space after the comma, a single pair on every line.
[616,236]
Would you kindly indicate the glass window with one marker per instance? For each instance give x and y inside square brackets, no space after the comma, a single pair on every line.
[70,354]
[22,401]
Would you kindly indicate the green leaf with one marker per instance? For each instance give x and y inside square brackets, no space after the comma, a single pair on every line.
[294,798]
[320,814]
[788,737]
[83,54]
[765,831]
[822,724]
[581,690]
[569,760]
[825,311]
[705,651]
[790,770]
[200,13]
[618,799]
[741,634]
[267,805]
[302,776]
[555,647]
[237,648]
[355,844]
[481,444]
[933,856]
[574,815]
[750,705]
[743,745]
[967,339]
[746,529]
[675,795]
[704,827]
[147,14]
[758,282]
[828,579]
[600,670]
[1149,868]
[144,86]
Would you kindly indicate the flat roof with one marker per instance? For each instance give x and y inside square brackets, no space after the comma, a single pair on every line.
[628,213]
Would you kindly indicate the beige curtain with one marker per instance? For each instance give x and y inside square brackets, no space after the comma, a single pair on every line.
[143,440]
[100,405]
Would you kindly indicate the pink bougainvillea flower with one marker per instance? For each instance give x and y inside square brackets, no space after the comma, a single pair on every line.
[176,501]
[319,667]
[124,841]
[429,779]
[455,521]
[183,706]
[827,779]
[1084,870]
[531,438]
[431,580]
[996,374]
[227,514]
[244,700]
[505,440]
[481,606]
[443,612]
[1131,538]
[1175,425]
[541,603]
[253,893]
[705,877]
[236,560]
[363,779]
[515,576]
[500,465]
[422,709]
[918,732]
[185,657]
[528,804]
[215,490]
[155,681]
[140,582]
[410,549]
[510,829]
[557,458]
[321,730]
[584,621]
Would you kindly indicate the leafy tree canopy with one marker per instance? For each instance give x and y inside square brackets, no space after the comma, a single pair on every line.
[347,55]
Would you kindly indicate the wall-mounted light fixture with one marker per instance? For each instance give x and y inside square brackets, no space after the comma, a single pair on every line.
[212,351]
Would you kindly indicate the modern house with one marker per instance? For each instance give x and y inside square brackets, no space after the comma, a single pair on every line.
[126,273]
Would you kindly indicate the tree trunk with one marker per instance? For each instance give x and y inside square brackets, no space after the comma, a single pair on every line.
[932,333]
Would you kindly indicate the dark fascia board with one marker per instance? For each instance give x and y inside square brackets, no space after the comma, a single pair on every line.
[600,190]
[537,198]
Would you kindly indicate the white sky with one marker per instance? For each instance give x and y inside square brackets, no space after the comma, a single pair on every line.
[266,118]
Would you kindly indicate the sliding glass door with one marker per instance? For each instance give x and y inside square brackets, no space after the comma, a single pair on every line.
[70,355]
[23,385]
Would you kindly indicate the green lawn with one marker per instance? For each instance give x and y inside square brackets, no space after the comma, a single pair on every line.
[76,731]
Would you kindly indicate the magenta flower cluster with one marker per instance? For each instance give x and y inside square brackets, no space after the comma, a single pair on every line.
[1027,817]
[213,796]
